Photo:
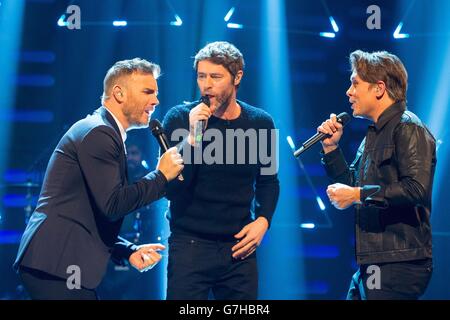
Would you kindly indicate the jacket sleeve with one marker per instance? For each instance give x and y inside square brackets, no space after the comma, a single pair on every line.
[99,157]
[122,251]
[337,168]
[416,159]
[176,128]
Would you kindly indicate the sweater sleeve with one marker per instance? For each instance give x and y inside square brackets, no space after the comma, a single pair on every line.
[267,186]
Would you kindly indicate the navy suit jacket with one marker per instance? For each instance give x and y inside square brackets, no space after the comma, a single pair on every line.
[84,197]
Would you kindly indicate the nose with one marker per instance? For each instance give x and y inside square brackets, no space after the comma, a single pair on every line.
[349,93]
[208,82]
[155,102]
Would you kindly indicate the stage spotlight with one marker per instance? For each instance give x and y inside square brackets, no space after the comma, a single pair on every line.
[120,23]
[291,142]
[145,164]
[327,34]
[235,26]
[320,203]
[178,22]
[308,225]
[397,34]
[61,21]
[229,14]
[334,24]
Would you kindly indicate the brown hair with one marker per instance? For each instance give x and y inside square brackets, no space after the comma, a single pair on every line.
[381,66]
[223,53]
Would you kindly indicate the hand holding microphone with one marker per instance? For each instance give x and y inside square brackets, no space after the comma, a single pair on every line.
[171,162]
[328,133]
[333,130]
[198,118]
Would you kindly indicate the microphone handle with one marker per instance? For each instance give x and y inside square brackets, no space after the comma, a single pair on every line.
[200,126]
[198,132]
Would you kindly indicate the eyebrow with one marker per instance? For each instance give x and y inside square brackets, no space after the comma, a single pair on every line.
[212,73]
[150,90]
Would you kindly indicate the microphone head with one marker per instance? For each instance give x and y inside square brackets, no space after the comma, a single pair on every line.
[156,127]
[205,100]
[343,118]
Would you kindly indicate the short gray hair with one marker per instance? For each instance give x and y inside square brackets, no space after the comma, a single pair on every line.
[127,68]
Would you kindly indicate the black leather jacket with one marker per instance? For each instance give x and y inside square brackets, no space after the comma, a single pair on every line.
[394,166]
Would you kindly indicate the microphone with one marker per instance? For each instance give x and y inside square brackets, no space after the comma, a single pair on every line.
[158,132]
[343,118]
[200,126]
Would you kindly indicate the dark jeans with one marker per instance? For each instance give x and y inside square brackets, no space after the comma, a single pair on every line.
[406,280]
[43,286]
[198,266]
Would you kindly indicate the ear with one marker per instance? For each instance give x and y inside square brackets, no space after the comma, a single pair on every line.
[238,77]
[118,93]
[380,89]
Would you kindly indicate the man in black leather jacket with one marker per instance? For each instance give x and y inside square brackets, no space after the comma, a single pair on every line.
[389,182]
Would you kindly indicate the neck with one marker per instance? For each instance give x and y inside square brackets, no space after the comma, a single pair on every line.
[382,106]
[116,110]
[230,112]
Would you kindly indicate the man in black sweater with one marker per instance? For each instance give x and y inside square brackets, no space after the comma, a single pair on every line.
[222,209]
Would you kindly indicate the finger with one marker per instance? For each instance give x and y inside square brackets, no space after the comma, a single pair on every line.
[145,257]
[331,126]
[206,109]
[242,252]
[202,106]
[238,246]
[241,233]
[337,125]
[253,249]
[201,118]
[172,150]
[327,128]
[322,129]
[136,261]
[204,112]
[155,255]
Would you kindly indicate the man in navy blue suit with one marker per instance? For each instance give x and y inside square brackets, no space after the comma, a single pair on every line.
[85,195]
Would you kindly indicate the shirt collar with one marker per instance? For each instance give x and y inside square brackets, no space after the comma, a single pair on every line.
[123,133]
[389,113]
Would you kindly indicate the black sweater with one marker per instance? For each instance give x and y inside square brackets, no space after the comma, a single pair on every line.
[218,199]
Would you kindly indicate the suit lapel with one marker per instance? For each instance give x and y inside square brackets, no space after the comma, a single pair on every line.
[111,122]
